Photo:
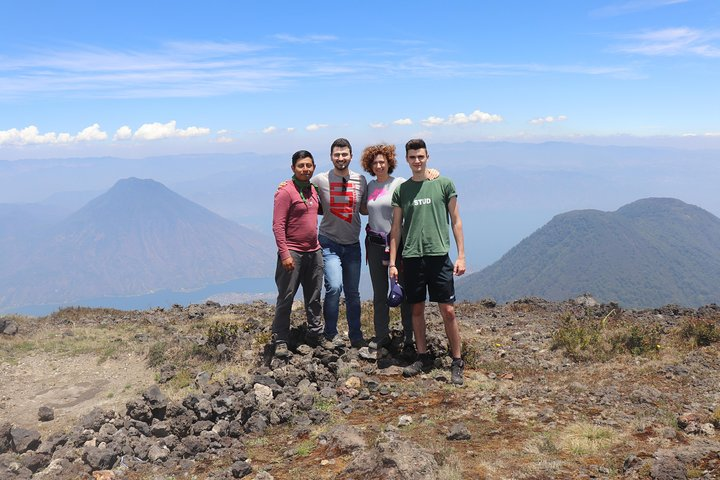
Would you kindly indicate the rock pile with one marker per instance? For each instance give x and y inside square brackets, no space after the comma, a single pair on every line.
[177,434]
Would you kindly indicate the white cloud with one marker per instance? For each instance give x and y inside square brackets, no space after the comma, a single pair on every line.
[91,133]
[403,121]
[123,133]
[31,135]
[158,131]
[432,121]
[633,6]
[269,129]
[378,125]
[291,129]
[224,140]
[224,131]
[305,38]
[548,119]
[461,118]
[314,127]
[475,117]
[672,42]
[212,69]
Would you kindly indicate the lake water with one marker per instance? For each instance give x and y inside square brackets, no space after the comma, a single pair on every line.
[238,291]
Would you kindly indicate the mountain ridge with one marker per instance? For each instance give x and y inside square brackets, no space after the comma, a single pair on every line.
[651,252]
[136,238]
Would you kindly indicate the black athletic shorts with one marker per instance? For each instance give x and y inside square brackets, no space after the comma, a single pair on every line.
[429,274]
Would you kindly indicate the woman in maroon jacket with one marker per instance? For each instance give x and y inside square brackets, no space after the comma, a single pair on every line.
[300,261]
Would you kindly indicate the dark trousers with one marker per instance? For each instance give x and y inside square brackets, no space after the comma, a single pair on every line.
[380,284]
[308,272]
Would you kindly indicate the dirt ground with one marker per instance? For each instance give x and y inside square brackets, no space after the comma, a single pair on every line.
[70,386]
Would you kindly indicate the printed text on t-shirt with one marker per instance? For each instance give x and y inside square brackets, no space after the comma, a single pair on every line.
[342,200]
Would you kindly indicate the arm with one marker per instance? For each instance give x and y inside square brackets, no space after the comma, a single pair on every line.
[457,230]
[364,198]
[395,232]
[280,213]
[318,184]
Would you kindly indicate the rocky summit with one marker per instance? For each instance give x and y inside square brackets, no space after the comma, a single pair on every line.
[573,389]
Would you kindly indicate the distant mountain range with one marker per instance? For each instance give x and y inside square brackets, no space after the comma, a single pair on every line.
[651,252]
[136,238]
[506,190]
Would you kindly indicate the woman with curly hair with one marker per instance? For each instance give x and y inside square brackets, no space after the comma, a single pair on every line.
[380,161]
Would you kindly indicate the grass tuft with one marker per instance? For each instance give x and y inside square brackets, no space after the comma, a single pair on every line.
[587,439]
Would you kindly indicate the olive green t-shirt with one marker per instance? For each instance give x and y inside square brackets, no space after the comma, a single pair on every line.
[425,216]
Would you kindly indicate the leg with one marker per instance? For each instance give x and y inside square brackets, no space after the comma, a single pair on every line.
[333,285]
[379,278]
[287,283]
[312,279]
[447,311]
[442,290]
[423,361]
[414,282]
[351,265]
[418,319]
[406,313]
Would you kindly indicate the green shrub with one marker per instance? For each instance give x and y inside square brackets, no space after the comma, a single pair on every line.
[156,354]
[222,333]
[580,339]
[471,354]
[593,338]
[700,332]
[636,339]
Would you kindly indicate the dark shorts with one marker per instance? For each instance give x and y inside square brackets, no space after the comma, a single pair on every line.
[429,274]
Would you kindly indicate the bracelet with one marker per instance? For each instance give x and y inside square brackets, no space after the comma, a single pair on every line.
[392,266]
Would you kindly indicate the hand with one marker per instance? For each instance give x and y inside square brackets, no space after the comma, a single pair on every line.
[459,267]
[393,271]
[282,184]
[432,174]
[288,264]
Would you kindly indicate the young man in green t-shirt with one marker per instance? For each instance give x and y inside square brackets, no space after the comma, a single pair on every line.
[422,211]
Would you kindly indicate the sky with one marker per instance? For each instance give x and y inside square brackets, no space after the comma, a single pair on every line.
[135,79]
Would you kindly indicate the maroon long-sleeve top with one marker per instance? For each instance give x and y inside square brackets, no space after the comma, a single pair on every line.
[295,222]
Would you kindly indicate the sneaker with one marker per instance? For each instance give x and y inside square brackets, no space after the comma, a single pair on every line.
[456,369]
[422,364]
[281,350]
[332,343]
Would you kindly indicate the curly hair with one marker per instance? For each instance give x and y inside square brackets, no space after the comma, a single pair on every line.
[369,154]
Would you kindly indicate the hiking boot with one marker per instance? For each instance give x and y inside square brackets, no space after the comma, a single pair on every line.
[281,350]
[422,364]
[408,351]
[456,369]
[378,343]
[313,340]
[359,343]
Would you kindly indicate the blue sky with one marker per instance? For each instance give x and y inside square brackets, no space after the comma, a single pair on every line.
[82,78]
